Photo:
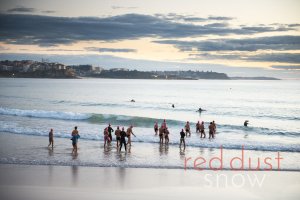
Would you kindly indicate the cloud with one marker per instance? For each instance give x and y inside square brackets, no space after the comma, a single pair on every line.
[286,67]
[50,30]
[286,42]
[48,11]
[220,18]
[263,57]
[123,7]
[276,57]
[22,9]
[110,50]
[192,18]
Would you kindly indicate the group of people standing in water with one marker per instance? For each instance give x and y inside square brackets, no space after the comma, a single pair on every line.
[121,135]
[163,131]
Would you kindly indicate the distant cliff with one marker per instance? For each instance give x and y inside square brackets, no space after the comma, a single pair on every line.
[33,69]
[173,75]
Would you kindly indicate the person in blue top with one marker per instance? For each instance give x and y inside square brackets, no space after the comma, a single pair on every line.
[75,137]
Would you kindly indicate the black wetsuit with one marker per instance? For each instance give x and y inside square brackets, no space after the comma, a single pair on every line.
[182,134]
[110,130]
[123,140]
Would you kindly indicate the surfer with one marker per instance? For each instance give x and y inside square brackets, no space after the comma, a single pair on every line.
[132,100]
[173,106]
[200,110]
[246,123]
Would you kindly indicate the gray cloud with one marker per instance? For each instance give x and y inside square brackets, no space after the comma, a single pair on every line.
[48,11]
[50,31]
[123,7]
[22,9]
[191,18]
[124,50]
[264,57]
[286,67]
[248,44]
[276,57]
[220,18]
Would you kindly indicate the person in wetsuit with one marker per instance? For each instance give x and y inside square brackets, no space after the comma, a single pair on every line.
[51,138]
[123,139]
[118,136]
[182,136]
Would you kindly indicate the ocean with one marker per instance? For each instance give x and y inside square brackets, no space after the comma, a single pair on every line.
[33,106]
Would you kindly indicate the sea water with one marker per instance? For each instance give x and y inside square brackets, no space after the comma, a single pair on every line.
[33,106]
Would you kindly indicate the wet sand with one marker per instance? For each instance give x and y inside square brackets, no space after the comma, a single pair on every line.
[30,182]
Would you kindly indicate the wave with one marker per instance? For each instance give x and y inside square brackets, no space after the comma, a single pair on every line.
[44,114]
[146,137]
[135,121]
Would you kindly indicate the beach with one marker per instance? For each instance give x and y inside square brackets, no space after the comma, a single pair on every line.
[30,170]
[73,182]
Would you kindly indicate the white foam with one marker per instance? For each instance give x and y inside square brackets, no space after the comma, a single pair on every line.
[44,114]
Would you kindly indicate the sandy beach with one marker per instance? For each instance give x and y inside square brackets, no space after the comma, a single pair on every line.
[72,182]
[32,177]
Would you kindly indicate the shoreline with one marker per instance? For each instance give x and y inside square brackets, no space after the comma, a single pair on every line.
[32,150]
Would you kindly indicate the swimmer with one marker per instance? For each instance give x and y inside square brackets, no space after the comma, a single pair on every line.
[118,136]
[198,127]
[182,135]
[110,130]
[164,125]
[215,128]
[51,138]
[155,128]
[75,137]
[202,129]
[123,139]
[211,130]
[161,135]
[129,132]
[106,137]
[167,136]
[188,128]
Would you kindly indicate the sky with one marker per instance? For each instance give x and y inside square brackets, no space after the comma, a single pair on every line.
[237,37]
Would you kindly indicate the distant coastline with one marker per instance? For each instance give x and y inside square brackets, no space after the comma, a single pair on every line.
[35,69]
